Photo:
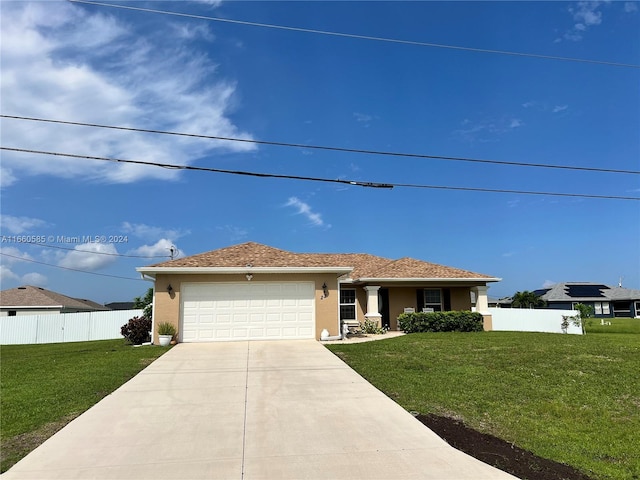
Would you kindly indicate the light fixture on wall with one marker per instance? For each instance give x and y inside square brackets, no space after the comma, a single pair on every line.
[169,289]
[325,291]
[249,277]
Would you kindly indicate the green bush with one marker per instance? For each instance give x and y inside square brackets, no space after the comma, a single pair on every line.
[371,327]
[457,321]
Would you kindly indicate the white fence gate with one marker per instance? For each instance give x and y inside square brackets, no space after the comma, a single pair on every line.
[532,320]
[64,327]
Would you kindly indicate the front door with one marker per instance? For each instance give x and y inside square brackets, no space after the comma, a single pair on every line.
[383,307]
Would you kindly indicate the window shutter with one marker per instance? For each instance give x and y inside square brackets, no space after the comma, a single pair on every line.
[446,299]
[419,300]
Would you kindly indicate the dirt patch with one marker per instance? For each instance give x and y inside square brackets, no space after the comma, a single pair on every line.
[14,448]
[494,451]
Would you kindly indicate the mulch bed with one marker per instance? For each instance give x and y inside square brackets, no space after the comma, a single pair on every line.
[494,451]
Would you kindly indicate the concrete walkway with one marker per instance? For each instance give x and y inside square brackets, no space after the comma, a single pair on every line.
[248,410]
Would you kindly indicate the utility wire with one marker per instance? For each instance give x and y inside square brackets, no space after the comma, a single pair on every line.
[360,37]
[318,179]
[330,148]
[96,253]
[67,268]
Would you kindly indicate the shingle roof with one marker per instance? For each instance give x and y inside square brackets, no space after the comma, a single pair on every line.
[587,291]
[29,296]
[364,265]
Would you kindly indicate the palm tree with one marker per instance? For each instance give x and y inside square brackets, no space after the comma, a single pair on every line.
[527,299]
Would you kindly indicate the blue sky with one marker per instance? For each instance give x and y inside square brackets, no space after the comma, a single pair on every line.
[86,63]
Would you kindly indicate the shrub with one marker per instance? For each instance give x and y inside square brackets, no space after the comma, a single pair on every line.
[136,330]
[166,328]
[371,327]
[457,321]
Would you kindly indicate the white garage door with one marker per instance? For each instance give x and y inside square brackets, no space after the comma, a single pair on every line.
[247,311]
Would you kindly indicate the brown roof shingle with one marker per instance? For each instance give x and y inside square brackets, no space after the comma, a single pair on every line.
[29,296]
[364,265]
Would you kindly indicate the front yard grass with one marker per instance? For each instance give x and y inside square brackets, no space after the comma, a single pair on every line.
[569,398]
[43,387]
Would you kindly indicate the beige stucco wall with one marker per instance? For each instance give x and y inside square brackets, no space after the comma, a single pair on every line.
[167,306]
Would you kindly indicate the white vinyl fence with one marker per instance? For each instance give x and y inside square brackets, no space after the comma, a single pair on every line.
[64,327]
[532,320]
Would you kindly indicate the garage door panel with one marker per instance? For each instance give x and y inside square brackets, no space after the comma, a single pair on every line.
[245,311]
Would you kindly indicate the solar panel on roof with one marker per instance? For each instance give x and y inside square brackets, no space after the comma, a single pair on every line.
[580,291]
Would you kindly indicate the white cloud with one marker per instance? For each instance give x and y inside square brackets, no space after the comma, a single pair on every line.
[234,233]
[559,108]
[213,3]
[7,177]
[630,7]
[362,117]
[487,129]
[16,255]
[193,32]
[58,58]
[585,14]
[304,209]
[162,249]
[6,274]
[34,278]
[20,225]
[149,232]
[548,284]
[90,256]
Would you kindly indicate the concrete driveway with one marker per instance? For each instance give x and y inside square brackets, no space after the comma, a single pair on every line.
[248,410]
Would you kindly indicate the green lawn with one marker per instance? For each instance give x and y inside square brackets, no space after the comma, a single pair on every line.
[573,399]
[618,325]
[43,387]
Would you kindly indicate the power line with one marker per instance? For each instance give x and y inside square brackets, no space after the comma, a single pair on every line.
[360,37]
[96,253]
[204,169]
[329,148]
[68,268]
[318,179]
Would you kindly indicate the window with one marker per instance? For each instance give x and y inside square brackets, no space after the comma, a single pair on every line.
[348,304]
[601,308]
[432,300]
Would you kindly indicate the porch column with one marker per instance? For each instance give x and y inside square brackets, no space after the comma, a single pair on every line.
[373,311]
[482,305]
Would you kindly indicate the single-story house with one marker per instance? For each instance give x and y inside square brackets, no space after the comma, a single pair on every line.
[254,291]
[29,300]
[607,301]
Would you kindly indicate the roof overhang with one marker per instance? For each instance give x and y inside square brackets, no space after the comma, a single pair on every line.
[48,307]
[153,271]
[450,280]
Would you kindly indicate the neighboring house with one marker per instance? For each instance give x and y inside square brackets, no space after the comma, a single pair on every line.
[119,305]
[253,291]
[606,301]
[28,300]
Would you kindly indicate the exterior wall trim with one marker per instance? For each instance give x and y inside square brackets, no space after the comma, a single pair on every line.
[378,280]
[242,270]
